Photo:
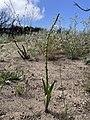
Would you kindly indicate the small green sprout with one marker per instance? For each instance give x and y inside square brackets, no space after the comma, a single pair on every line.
[48,91]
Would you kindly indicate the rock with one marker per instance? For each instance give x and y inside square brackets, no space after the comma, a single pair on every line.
[11,117]
[8,82]
[76,84]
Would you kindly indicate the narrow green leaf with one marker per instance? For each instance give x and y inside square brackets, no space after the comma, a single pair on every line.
[45,87]
[46,102]
[51,87]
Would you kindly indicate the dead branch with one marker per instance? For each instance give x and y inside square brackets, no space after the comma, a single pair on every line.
[86,10]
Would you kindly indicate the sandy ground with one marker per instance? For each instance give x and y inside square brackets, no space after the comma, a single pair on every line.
[30,105]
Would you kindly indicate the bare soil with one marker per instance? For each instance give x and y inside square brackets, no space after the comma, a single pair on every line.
[30,105]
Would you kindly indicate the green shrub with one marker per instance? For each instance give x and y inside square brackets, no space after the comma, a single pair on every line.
[72,46]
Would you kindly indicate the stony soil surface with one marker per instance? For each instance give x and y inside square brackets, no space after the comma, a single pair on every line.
[30,105]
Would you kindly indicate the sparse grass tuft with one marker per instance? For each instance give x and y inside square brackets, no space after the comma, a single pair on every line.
[19,89]
[6,75]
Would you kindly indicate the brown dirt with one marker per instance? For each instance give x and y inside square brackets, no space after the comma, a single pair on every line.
[29,106]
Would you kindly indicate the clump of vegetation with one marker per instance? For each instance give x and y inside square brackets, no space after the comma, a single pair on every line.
[48,88]
[75,43]
[19,89]
[22,52]
[72,46]
[6,75]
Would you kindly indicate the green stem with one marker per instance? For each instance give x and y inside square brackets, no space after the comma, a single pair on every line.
[46,49]
[46,62]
